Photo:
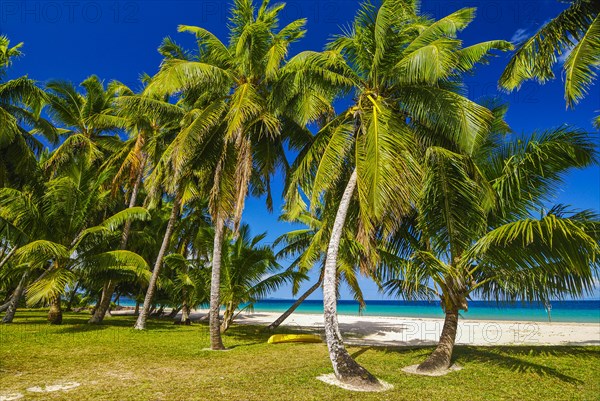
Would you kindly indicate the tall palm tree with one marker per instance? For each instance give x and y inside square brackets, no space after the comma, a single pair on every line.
[183,184]
[404,71]
[232,91]
[144,118]
[574,33]
[475,230]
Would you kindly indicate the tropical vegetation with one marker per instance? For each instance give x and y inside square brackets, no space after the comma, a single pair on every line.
[110,193]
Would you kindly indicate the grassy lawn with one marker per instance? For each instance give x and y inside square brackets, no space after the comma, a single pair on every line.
[167,362]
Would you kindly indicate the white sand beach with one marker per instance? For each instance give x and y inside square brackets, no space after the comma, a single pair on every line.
[402,331]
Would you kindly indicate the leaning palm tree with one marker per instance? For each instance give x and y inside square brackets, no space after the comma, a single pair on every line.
[404,71]
[574,33]
[475,230]
[181,183]
[231,88]
[146,119]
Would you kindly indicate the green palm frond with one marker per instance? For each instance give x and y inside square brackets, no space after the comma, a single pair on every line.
[574,30]
[50,286]
[39,252]
[122,264]
[582,64]
[451,208]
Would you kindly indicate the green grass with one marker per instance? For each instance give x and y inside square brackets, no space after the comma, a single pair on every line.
[167,362]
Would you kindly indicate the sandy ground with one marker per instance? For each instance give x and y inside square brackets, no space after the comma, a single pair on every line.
[400,331]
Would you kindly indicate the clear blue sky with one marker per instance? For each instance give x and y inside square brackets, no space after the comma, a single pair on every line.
[118,40]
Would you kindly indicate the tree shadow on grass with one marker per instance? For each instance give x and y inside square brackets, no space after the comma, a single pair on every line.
[511,358]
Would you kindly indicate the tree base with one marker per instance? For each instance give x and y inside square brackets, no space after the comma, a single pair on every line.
[414,370]
[355,384]
[55,317]
[217,350]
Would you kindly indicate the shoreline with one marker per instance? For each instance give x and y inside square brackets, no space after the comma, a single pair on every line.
[408,331]
[472,320]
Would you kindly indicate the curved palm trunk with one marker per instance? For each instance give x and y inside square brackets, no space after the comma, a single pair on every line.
[140,324]
[228,316]
[216,343]
[55,312]
[14,301]
[346,369]
[174,312]
[441,357]
[109,289]
[295,305]
[5,306]
[185,314]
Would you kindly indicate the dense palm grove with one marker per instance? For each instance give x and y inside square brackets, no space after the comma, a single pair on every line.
[108,193]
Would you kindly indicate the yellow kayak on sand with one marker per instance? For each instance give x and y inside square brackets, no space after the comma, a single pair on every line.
[294,338]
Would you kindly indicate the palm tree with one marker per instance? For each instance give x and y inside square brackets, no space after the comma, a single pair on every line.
[308,247]
[574,33]
[404,70]
[474,230]
[231,90]
[82,118]
[65,234]
[183,184]
[249,272]
[144,118]
[21,102]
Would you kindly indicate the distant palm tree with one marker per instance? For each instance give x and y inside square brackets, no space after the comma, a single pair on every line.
[81,119]
[65,235]
[575,35]
[405,71]
[308,246]
[231,90]
[474,230]
[249,272]
[183,183]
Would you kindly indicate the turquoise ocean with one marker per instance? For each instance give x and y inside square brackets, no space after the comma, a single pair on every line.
[587,311]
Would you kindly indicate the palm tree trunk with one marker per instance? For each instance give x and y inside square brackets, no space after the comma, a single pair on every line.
[441,357]
[109,289]
[136,311]
[14,301]
[72,297]
[228,316]
[7,257]
[185,314]
[55,312]
[5,305]
[104,302]
[216,343]
[346,369]
[174,312]
[143,316]
[295,305]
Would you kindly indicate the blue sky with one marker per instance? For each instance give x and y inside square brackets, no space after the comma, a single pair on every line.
[118,39]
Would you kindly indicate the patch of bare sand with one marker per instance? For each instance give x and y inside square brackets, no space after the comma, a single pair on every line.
[332,380]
